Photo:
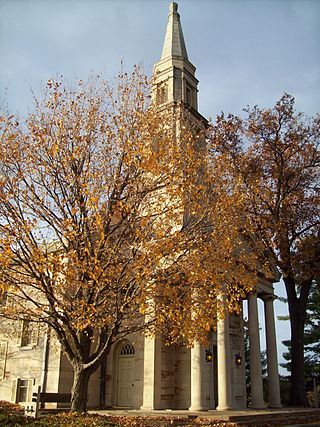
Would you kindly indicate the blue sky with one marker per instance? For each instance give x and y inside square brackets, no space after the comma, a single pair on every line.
[245,51]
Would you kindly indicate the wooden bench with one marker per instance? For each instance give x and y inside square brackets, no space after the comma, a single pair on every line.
[44,397]
[39,398]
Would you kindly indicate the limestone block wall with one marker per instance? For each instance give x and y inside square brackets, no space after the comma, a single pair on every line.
[24,366]
[238,376]
[94,389]
[138,343]
[209,384]
[172,376]
[110,368]
[182,379]
[53,368]
[65,375]
[167,374]
[21,363]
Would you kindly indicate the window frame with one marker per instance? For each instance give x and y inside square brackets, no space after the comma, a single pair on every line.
[3,360]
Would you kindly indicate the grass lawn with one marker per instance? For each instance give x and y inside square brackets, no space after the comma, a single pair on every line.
[13,416]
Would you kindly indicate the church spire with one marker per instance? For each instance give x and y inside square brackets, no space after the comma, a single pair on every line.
[174,44]
[174,75]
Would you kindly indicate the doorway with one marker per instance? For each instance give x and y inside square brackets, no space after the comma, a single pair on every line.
[126,361]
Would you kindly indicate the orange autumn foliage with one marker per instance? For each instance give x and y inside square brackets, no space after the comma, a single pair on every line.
[116,218]
[275,153]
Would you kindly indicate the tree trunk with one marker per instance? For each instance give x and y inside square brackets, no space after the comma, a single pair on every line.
[79,392]
[297,311]
[298,389]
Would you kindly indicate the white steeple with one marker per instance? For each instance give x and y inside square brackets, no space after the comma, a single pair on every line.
[174,75]
[174,44]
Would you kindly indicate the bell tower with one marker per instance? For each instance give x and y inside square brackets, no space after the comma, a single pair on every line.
[174,75]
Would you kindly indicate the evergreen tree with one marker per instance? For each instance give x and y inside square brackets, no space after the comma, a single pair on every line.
[312,332]
[311,340]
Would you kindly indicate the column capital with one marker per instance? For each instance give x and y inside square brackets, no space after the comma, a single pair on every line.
[268,297]
[253,295]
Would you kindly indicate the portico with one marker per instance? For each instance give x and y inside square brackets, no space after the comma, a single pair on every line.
[182,378]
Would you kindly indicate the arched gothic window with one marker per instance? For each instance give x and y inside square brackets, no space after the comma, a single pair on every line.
[126,350]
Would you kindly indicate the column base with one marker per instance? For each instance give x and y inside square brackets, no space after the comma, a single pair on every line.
[197,408]
[224,408]
[258,406]
[146,408]
[275,405]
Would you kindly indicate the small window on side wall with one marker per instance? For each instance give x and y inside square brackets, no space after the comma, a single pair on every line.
[22,390]
[3,358]
[29,334]
[26,333]
[162,93]
[189,96]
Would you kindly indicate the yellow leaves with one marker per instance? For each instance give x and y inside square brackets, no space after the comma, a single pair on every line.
[133,217]
[84,315]
[54,149]
[143,308]
[50,83]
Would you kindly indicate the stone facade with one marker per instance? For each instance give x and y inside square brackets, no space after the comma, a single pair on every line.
[143,372]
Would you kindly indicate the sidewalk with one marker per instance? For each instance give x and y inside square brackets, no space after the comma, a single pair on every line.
[241,416]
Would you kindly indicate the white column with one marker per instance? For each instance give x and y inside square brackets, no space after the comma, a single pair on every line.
[272,357]
[255,354]
[198,380]
[224,363]
[151,373]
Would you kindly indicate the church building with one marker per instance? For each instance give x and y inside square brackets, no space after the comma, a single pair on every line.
[142,372]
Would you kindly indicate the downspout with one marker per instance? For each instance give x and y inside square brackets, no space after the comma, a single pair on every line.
[103,371]
[45,360]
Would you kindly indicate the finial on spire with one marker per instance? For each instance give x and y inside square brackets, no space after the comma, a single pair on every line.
[173,7]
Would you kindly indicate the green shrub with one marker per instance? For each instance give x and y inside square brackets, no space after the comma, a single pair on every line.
[11,416]
[71,420]
[11,420]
